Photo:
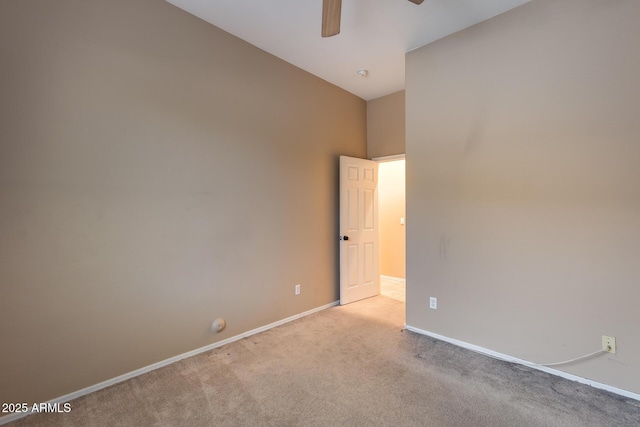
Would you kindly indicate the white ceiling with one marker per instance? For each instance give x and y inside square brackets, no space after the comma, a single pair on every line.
[375,34]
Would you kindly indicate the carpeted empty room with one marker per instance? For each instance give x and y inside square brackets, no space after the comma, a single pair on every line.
[167,167]
[350,365]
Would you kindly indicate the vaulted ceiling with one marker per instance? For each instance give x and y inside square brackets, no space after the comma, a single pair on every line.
[375,34]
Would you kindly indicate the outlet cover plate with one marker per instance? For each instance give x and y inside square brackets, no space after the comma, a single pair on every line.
[609,344]
[433,303]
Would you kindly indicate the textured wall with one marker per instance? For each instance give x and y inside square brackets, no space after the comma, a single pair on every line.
[523,185]
[155,173]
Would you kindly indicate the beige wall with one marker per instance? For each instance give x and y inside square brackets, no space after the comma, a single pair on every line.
[155,173]
[385,125]
[523,185]
[391,207]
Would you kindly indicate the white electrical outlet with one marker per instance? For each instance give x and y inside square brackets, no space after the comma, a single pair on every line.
[433,303]
[609,344]
[297,290]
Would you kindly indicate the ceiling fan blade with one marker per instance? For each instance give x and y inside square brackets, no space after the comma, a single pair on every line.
[331,17]
[416,1]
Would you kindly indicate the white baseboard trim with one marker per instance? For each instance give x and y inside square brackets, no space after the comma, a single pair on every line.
[512,359]
[74,395]
[393,279]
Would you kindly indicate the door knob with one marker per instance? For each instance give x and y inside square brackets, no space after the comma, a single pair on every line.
[344,237]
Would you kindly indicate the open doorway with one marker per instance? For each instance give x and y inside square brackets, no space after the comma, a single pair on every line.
[391,222]
[372,228]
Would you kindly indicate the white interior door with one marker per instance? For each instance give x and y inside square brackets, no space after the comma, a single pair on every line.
[359,252]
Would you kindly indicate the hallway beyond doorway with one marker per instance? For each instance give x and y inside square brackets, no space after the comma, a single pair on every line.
[393,288]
